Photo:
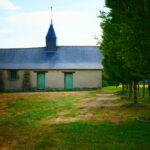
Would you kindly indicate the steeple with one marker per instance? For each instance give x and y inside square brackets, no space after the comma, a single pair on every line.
[51,37]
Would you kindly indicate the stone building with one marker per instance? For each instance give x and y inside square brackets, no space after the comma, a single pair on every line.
[51,67]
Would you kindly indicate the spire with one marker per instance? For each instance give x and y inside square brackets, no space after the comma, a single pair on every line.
[51,37]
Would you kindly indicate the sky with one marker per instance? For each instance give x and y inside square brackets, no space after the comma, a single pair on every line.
[24,23]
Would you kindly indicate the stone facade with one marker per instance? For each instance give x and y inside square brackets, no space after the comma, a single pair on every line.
[54,79]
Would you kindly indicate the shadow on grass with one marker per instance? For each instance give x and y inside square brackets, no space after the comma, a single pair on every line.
[121,93]
[105,136]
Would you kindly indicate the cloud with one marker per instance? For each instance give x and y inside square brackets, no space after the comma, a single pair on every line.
[5,30]
[32,18]
[6,4]
[41,18]
[72,27]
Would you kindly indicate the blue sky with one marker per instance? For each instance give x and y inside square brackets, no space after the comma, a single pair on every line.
[24,23]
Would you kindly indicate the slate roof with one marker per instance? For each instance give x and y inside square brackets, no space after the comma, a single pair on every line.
[65,57]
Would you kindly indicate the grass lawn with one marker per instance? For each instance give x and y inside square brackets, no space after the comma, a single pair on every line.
[73,120]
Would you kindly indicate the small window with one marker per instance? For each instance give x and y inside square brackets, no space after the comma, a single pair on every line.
[13,75]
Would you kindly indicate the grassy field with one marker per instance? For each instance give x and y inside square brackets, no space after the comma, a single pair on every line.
[73,120]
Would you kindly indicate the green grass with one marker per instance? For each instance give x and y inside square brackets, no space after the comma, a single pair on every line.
[105,136]
[42,121]
[111,89]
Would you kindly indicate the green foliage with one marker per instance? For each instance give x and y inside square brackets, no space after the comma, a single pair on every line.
[107,81]
[125,42]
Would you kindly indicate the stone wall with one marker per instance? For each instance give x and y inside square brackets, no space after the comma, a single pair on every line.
[54,79]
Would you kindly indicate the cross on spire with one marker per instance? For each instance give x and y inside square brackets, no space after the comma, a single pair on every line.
[51,14]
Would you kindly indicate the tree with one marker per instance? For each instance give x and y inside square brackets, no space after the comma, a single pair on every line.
[124,43]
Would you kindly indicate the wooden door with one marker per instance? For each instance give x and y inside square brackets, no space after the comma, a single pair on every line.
[41,81]
[68,81]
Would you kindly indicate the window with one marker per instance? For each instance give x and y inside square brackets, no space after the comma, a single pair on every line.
[13,75]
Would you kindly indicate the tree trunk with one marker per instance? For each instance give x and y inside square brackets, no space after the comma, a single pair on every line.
[130,90]
[143,88]
[135,92]
[138,89]
[122,87]
[149,89]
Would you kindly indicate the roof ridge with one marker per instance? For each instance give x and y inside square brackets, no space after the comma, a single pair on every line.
[21,48]
[26,48]
[78,45]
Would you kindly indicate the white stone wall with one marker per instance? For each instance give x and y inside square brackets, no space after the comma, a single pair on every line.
[54,79]
[87,79]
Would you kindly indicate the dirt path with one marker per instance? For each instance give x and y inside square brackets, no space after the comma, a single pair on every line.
[86,109]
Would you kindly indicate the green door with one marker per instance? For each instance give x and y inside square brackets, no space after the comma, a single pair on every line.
[68,81]
[41,81]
